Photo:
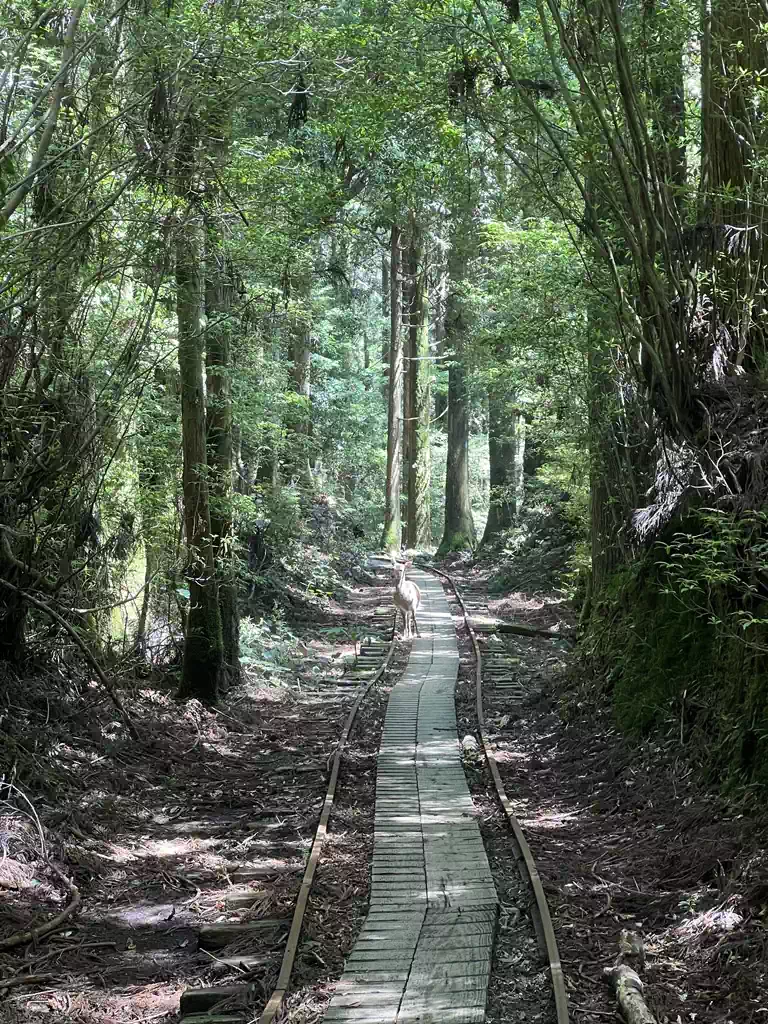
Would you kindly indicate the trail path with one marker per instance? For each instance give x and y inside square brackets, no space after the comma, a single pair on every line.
[423,954]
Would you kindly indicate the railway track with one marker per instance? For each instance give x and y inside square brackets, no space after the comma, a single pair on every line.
[499,667]
[424,952]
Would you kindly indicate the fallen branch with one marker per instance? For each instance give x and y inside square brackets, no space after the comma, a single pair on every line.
[628,987]
[33,934]
[61,621]
[518,629]
[26,979]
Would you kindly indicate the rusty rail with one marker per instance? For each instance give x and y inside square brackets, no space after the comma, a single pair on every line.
[525,857]
[292,944]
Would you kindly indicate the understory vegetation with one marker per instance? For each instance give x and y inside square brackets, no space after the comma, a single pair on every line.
[283,284]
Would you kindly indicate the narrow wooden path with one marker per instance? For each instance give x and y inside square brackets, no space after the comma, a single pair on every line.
[423,955]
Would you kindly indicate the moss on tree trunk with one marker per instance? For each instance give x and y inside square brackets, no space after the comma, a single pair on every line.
[391,535]
[459,531]
[203,664]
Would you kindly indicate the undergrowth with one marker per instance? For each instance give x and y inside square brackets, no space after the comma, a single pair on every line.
[678,640]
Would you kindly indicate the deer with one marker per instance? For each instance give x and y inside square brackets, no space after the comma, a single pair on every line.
[407,599]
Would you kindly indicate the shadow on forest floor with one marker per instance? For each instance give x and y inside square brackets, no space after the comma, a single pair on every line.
[208,818]
[627,835]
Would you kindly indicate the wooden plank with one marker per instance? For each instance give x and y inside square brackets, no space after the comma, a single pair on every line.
[427,845]
[216,936]
[216,1018]
[200,1000]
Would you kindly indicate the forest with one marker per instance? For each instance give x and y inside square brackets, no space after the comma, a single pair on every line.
[283,285]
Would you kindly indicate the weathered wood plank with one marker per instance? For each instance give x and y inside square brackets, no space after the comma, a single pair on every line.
[428,859]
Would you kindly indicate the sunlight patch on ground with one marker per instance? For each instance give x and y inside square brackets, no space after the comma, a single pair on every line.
[503,756]
[144,915]
[159,848]
[717,921]
[553,819]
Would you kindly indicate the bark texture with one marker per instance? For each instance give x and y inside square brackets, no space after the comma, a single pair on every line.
[220,301]
[419,529]
[628,987]
[391,535]
[503,448]
[203,666]
[459,531]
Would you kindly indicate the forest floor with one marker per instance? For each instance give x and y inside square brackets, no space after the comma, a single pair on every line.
[210,817]
[626,834]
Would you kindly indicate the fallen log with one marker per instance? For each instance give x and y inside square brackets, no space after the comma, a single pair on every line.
[517,629]
[628,987]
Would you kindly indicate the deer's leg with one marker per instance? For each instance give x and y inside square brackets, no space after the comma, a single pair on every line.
[418,634]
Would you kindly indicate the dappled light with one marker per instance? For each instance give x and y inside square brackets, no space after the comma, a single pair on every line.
[383,512]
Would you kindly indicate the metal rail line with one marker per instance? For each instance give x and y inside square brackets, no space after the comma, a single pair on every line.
[526,862]
[289,956]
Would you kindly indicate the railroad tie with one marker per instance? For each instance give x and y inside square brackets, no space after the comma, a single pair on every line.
[423,954]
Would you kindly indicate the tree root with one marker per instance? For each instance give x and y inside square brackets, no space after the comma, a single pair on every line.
[33,934]
[27,979]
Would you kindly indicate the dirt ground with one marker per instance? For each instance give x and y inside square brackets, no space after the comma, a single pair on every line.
[626,836]
[210,817]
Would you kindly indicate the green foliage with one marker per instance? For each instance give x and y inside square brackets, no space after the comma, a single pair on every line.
[267,648]
[720,572]
[669,663]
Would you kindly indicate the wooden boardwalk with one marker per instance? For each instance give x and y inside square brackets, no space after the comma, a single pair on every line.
[423,954]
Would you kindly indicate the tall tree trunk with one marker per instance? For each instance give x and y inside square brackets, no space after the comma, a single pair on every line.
[203,667]
[419,531]
[150,566]
[220,299]
[734,56]
[534,452]
[602,476]
[386,299]
[391,535]
[301,353]
[459,531]
[409,383]
[439,304]
[503,449]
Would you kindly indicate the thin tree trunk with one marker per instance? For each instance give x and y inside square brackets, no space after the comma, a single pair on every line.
[150,565]
[602,475]
[534,453]
[409,369]
[459,531]
[203,665]
[503,450]
[734,54]
[301,346]
[419,532]
[220,298]
[390,538]
[441,400]
[385,301]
